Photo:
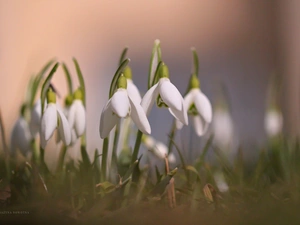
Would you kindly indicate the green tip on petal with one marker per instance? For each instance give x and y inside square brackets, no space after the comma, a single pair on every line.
[51,96]
[122,82]
[127,72]
[78,94]
[163,71]
[194,82]
[68,100]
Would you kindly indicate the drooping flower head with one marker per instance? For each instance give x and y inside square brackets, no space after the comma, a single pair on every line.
[35,118]
[121,105]
[76,114]
[21,136]
[54,118]
[158,148]
[165,94]
[198,106]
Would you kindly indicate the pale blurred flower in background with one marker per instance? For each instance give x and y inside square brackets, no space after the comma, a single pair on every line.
[273,123]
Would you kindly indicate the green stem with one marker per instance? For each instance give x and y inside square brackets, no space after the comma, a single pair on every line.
[104,159]
[116,140]
[172,135]
[35,152]
[61,158]
[137,146]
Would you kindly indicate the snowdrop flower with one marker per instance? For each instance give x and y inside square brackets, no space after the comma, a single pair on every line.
[21,136]
[221,182]
[54,118]
[76,114]
[65,110]
[273,122]
[166,94]
[223,128]
[121,105]
[132,90]
[198,107]
[158,148]
[35,118]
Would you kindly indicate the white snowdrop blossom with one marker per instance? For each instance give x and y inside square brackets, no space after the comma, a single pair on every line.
[221,182]
[65,110]
[54,118]
[132,90]
[166,94]
[273,123]
[223,128]
[158,148]
[35,118]
[121,105]
[21,136]
[199,107]
[76,114]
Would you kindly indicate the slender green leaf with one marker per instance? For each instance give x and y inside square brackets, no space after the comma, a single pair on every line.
[38,79]
[81,81]
[68,78]
[195,69]
[123,55]
[46,86]
[156,76]
[113,85]
[160,188]
[155,59]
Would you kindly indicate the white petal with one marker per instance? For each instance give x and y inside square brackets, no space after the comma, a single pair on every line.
[200,125]
[73,137]
[71,114]
[189,98]
[139,117]
[43,142]
[64,128]
[172,158]
[107,121]
[133,91]
[21,136]
[170,94]
[179,125]
[149,98]
[80,119]
[49,121]
[203,106]
[180,115]
[35,118]
[120,103]
[149,141]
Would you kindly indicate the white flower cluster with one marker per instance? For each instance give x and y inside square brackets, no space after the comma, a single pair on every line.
[70,124]
[126,102]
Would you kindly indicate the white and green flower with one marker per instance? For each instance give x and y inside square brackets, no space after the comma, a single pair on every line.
[76,114]
[21,136]
[158,148]
[198,106]
[121,105]
[54,118]
[165,94]
[273,122]
[35,118]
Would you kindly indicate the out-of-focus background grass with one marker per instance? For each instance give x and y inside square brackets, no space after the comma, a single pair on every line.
[239,42]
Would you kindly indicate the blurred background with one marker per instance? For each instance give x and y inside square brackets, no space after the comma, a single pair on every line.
[240,43]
